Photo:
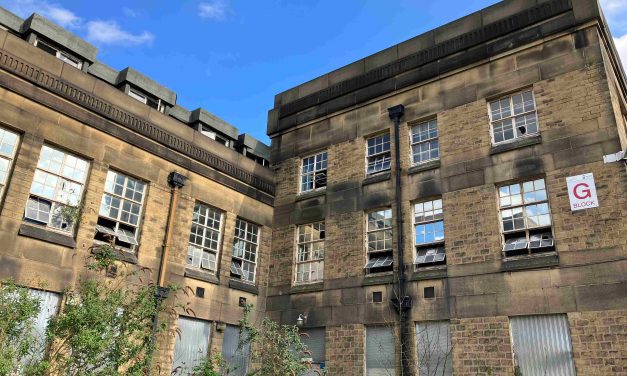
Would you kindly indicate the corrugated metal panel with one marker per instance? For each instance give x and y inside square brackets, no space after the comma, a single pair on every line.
[49,306]
[434,348]
[542,345]
[380,351]
[316,344]
[237,358]
[193,344]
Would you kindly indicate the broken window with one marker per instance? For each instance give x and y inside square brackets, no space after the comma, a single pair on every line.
[245,245]
[378,156]
[525,218]
[313,174]
[57,189]
[205,238]
[513,116]
[379,241]
[120,211]
[429,233]
[310,253]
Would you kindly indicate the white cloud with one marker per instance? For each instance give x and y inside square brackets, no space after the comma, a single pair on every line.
[611,7]
[109,32]
[215,10]
[621,46]
[62,16]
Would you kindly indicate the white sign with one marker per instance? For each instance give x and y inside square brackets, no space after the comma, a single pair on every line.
[582,192]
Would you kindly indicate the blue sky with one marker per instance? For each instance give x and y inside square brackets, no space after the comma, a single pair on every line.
[232,56]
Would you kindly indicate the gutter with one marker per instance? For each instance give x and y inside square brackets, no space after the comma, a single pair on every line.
[401,303]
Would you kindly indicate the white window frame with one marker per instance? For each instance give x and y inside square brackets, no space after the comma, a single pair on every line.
[62,194]
[319,159]
[430,138]
[240,265]
[8,158]
[306,260]
[529,237]
[64,56]
[140,96]
[377,154]
[432,213]
[118,232]
[198,254]
[379,258]
[513,117]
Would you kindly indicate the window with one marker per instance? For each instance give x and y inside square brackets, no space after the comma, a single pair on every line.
[315,343]
[380,351]
[379,241]
[192,345]
[310,253]
[378,155]
[235,350]
[429,233]
[513,117]
[120,211]
[245,247]
[313,173]
[206,131]
[542,345]
[146,99]
[424,142]
[525,218]
[204,239]
[59,54]
[57,189]
[8,148]
[435,357]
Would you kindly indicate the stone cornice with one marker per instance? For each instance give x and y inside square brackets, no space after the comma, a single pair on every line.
[87,100]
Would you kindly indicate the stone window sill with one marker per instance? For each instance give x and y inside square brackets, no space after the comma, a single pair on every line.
[432,272]
[378,177]
[517,144]
[243,286]
[384,278]
[542,260]
[121,255]
[308,287]
[202,275]
[311,194]
[431,165]
[46,235]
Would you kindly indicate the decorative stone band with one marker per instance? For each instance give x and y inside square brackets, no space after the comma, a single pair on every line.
[87,100]
[460,43]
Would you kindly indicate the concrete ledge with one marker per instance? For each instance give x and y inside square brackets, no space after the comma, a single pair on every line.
[46,235]
[306,195]
[243,286]
[523,142]
[530,262]
[375,279]
[202,275]
[429,273]
[431,165]
[310,287]
[381,176]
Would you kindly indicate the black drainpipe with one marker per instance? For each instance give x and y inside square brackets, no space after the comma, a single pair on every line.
[402,303]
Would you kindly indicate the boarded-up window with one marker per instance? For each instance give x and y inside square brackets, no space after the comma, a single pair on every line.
[192,345]
[542,345]
[48,307]
[235,352]
[380,354]
[314,340]
[434,348]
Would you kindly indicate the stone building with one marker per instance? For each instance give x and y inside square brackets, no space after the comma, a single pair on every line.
[423,211]
[76,133]
[422,220]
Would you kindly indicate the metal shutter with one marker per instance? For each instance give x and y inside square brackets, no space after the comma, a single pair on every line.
[48,307]
[316,344]
[236,358]
[380,351]
[542,345]
[433,342]
[193,344]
